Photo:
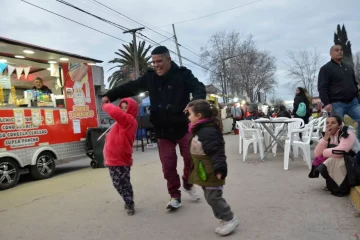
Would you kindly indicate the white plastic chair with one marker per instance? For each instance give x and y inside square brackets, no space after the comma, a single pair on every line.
[311,122]
[294,123]
[303,145]
[248,124]
[250,136]
[318,128]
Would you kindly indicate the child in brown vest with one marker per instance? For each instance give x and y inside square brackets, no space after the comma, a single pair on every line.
[209,168]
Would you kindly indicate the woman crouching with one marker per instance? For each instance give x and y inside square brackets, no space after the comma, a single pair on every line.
[332,166]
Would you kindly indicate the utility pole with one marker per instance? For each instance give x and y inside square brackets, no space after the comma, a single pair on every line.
[137,75]
[177,46]
[133,31]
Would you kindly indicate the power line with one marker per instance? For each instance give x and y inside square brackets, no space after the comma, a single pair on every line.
[211,14]
[103,19]
[93,15]
[73,21]
[142,36]
[167,39]
[190,50]
[129,18]
[121,14]
[106,11]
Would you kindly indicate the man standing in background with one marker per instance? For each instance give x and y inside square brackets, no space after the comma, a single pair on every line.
[338,88]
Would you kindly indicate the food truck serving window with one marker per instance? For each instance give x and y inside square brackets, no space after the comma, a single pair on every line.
[30,84]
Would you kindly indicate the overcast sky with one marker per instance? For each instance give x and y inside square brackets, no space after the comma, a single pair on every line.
[276,25]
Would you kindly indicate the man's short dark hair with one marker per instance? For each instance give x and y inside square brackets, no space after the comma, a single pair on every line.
[40,79]
[160,50]
[334,46]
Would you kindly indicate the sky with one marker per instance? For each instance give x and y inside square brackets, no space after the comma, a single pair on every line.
[277,26]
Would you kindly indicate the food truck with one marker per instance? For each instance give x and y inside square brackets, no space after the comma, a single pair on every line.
[47,103]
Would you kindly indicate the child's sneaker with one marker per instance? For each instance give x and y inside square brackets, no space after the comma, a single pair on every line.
[218,228]
[130,209]
[174,204]
[193,193]
[227,227]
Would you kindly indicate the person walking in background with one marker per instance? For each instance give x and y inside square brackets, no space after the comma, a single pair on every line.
[301,105]
[169,88]
[252,112]
[237,114]
[338,87]
[119,147]
[209,167]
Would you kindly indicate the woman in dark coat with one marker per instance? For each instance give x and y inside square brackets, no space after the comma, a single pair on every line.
[299,98]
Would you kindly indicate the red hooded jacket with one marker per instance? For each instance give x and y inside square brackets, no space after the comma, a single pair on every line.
[119,141]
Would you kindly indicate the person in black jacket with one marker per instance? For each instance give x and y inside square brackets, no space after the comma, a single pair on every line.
[283,112]
[209,168]
[301,97]
[39,86]
[338,87]
[169,88]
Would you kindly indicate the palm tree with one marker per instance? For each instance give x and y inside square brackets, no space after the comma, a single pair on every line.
[125,63]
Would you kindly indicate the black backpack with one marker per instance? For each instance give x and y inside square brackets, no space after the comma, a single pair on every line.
[352,164]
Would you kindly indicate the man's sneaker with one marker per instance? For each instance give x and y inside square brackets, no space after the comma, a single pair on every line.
[227,227]
[193,194]
[174,204]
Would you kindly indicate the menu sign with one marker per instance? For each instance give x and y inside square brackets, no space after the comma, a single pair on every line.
[5,82]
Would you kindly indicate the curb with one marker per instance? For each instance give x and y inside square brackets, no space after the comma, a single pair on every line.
[355,197]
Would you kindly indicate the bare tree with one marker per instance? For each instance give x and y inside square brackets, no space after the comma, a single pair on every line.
[256,70]
[237,66]
[220,46]
[357,66]
[303,67]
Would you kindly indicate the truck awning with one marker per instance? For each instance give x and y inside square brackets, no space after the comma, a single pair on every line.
[10,48]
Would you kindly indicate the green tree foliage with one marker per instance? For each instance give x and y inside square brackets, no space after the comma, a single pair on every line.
[125,63]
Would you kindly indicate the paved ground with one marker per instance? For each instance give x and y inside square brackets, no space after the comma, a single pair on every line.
[270,202]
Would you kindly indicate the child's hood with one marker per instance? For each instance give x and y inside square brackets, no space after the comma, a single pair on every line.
[132,106]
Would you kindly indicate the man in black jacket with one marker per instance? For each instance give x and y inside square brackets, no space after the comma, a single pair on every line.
[169,88]
[338,88]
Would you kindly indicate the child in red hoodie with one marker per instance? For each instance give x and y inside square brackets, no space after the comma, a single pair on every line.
[119,147]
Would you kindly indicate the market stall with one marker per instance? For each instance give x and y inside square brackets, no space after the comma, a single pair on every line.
[47,102]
